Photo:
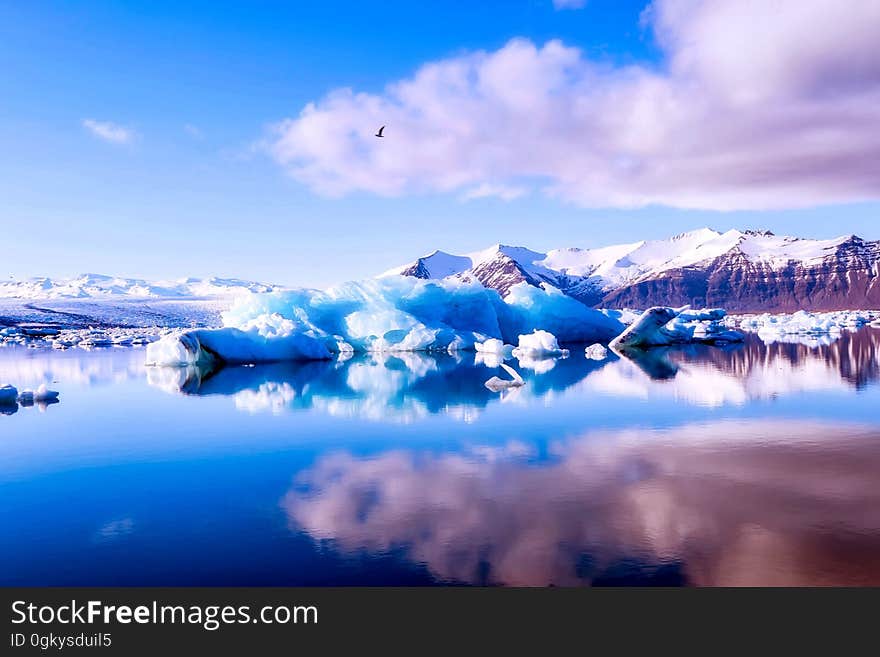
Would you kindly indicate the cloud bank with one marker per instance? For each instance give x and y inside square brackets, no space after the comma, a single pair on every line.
[109,132]
[754,105]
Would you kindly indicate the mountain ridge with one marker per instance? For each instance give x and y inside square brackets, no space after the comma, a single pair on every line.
[743,271]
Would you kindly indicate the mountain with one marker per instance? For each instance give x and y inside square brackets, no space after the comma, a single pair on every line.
[743,271]
[89,286]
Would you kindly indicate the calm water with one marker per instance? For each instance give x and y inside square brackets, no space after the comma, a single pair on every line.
[755,465]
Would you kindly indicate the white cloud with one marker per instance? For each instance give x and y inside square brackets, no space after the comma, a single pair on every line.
[756,105]
[569,4]
[109,132]
[488,190]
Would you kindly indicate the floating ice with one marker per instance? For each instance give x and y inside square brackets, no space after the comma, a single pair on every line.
[384,315]
[8,395]
[664,326]
[492,352]
[206,346]
[493,346]
[43,394]
[538,344]
[596,352]
[497,384]
[787,327]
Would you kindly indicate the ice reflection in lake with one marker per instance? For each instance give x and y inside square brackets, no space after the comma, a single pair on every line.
[754,464]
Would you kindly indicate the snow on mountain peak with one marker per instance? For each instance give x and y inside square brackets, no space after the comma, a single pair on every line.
[698,235]
[102,286]
[592,274]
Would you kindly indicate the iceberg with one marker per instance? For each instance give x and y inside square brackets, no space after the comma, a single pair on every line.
[232,345]
[493,346]
[662,326]
[790,327]
[43,394]
[8,395]
[380,316]
[596,352]
[538,344]
[492,352]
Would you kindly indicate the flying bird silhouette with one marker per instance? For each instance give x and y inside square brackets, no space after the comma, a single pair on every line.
[379,134]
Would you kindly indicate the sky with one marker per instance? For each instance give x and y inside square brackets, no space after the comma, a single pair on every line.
[166,139]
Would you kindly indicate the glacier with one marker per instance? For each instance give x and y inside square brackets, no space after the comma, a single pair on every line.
[400,314]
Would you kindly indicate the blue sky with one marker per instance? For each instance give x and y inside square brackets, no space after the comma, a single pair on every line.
[189,187]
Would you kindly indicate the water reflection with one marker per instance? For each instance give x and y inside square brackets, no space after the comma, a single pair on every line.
[402,387]
[28,368]
[721,504]
[406,387]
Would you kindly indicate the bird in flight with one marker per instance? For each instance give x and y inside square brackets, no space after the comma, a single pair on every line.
[379,134]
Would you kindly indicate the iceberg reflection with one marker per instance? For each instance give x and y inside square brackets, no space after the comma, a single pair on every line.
[400,387]
[722,504]
[408,386]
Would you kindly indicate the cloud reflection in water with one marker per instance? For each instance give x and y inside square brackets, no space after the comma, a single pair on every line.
[723,504]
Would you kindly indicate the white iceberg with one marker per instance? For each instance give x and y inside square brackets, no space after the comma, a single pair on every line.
[385,315]
[793,327]
[493,346]
[660,326]
[497,384]
[596,352]
[538,344]
[43,394]
[492,352]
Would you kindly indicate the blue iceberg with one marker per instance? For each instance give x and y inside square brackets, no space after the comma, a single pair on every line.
[382,315]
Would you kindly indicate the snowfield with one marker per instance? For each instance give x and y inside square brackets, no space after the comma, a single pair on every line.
[100,286]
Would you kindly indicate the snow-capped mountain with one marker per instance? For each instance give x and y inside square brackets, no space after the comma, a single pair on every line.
[87,286]
[739,270]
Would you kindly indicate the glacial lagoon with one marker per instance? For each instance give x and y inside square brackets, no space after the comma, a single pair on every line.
[753,464]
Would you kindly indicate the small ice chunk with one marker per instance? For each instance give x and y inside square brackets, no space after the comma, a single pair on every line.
[494,347]
[539,344]
[491,346]
[8,395]
[596,352]
[497,384]
[43,394]
[772,328]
